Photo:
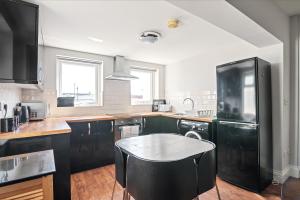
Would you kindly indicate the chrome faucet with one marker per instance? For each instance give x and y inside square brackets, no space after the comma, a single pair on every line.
[193,104]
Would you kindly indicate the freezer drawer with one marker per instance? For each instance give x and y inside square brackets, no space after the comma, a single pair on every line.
[237,154]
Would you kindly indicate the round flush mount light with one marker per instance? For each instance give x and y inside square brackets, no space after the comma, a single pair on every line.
[149,37]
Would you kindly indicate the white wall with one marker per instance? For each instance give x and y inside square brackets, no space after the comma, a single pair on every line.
[116,94]
[295,65]
[196,77]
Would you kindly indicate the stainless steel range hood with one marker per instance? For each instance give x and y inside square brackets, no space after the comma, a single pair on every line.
[121,70]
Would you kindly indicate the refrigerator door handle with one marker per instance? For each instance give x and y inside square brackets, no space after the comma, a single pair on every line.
[239,123]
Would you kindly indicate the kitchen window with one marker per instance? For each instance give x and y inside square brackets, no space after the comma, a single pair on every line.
[81,79]
[143,88]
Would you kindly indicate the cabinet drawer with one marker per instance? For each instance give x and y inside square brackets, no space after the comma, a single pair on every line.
[28,145]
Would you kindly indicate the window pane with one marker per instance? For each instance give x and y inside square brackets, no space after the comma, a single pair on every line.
[79,80]
[141,88]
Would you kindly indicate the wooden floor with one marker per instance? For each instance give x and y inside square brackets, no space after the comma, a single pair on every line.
[97,184]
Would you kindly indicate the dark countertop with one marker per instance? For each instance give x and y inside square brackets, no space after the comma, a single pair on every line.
[14,169]
[164,147]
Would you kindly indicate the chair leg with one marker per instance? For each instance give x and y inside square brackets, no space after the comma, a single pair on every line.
[124,194]
[113,192]
[218,192]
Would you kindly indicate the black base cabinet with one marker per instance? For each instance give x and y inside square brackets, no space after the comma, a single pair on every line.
[60,144]
[92,144]
[160,124]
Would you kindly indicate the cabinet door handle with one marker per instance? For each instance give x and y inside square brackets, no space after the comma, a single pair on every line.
[144,123]
[112,126]
[89,126]
[178,121]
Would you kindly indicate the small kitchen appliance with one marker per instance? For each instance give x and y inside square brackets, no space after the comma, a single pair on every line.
[36,110]
[156,103]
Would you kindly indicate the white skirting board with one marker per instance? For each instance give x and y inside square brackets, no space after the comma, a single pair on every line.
[283,175]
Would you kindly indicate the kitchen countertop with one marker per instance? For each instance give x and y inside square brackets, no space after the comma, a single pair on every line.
[26,166]
[52,126]
[49,126]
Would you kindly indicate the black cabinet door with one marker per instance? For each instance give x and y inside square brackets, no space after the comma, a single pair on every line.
[160,124]
[22,17]
[151,125]
[62,177]
[92,145]
[81,150]
[103,143]
[237,154]
[6,49]
[169,125]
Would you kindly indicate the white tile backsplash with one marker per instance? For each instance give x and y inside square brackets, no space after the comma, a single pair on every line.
[10,95]
[203,100]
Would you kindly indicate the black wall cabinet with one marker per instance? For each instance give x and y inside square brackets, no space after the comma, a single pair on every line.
[19,34]
[92,145]
[160,124]
[60,145]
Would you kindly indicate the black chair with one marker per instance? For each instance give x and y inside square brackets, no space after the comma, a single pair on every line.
[175,180]
[120,171]
[206,171]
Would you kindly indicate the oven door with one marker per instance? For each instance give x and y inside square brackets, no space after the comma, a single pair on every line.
[126,131]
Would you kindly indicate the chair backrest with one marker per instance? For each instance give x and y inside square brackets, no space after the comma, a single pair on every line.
[120,166]
[206,171]
[206,167]
[175,180]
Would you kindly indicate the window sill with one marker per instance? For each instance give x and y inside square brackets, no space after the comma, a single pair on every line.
[83,106]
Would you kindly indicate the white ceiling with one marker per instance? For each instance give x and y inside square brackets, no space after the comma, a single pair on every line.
[290,7]
[68,24]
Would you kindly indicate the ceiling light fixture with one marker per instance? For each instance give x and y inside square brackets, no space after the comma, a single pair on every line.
[150,37]
[173,23]
[95,39]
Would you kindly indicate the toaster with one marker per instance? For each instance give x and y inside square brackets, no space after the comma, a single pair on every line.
[36,110]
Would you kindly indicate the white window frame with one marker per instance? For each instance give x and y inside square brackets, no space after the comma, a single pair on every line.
[98,77]
[154,84]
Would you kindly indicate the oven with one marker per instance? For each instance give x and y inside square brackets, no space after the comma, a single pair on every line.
[128,127]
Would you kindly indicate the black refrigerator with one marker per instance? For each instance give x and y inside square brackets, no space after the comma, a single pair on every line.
[244,123]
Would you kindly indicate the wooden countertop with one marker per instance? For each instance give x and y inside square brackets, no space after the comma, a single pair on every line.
[52,126]
[166,114]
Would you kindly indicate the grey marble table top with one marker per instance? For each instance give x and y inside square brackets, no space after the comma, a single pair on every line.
[26,166]
[164,147]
